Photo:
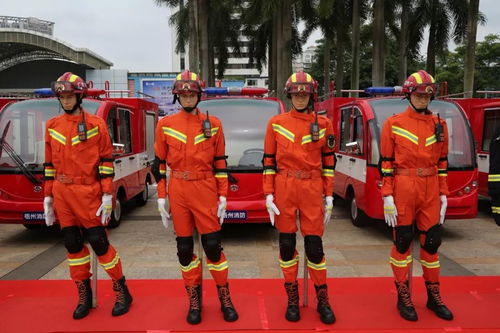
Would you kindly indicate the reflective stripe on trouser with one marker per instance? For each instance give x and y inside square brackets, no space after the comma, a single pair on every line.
[317,272]
[416,199]
[191,274]
[219,270]
[111,263]
[290,268]
[79,264]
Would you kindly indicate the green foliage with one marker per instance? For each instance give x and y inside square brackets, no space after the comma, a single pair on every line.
[450,66]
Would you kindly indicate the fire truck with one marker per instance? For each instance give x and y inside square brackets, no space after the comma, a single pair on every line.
[131,123]
[484,116]
[244,114]
[358,124]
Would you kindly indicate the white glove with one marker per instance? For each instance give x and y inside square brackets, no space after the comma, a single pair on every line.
[390,211]
[105,209]
[165,216]
[221,209]
[444,205]
[48,209]
[271,208]
[328,209]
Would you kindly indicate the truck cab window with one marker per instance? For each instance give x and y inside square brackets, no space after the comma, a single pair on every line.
[491,123]
[345,128]
[119,127]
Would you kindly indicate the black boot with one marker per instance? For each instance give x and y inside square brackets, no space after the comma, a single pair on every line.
[194,313]
[324,309]
[84,299]
[123,297]
[405,305]
[292,310]
[497,219]
[434,301]
[226,306]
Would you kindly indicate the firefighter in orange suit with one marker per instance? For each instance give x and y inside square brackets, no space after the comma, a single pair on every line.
[78,185]
[414,150]
[192,145]
[298,172]
[494,176]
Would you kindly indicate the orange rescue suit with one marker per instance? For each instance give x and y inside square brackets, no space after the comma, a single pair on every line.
[198,176]
[414,171]
[298,172]
[77,173]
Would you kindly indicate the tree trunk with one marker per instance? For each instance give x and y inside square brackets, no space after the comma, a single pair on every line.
[280,49]
[431,46]
[470,51]
[273,56]
[378,67]
[326,66]
[355,47]
[193,37]
[203,42]
[339,77]
[403,42]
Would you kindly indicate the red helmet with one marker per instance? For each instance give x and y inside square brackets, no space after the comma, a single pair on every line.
[420,82]
[301,82]
[188,81]
[70,83]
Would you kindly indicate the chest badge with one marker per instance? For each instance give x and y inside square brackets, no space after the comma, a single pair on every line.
[330,141]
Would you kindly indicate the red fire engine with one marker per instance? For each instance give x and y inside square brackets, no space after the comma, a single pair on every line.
[484,117]
[358,122]
[131,124]
[244,114]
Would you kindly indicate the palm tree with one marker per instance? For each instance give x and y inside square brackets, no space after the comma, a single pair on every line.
[470,47]
[378,67]
[441,16]
[271,27]
[185,16]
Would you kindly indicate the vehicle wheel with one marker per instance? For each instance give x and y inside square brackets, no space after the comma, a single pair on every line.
[116,215]
[32,226]
[142,198]
[358,217]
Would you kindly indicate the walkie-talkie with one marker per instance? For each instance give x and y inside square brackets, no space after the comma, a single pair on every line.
[82,129]
[315,128]
[438,131]
[207,127]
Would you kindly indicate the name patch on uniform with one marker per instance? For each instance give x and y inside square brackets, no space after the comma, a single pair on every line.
[330,141]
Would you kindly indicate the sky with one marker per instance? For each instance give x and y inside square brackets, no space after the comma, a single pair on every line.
[135,34]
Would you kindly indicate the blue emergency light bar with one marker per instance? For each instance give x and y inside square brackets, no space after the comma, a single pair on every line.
[383,90]
[47,92]
[235,91]
[44,92]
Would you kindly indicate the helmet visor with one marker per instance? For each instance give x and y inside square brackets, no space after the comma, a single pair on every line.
[429,89]
[300,88]
[60,87]
[181,87]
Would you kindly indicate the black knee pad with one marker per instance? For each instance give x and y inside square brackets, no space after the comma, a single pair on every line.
[73,239]
[98,240]
[185,247]
[403,238]
[212,245]
[287,242]
[314,249]
[432,239]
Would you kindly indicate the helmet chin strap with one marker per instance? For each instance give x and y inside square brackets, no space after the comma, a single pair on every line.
[421,110]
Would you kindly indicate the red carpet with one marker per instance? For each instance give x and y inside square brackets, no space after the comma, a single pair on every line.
[360,305]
